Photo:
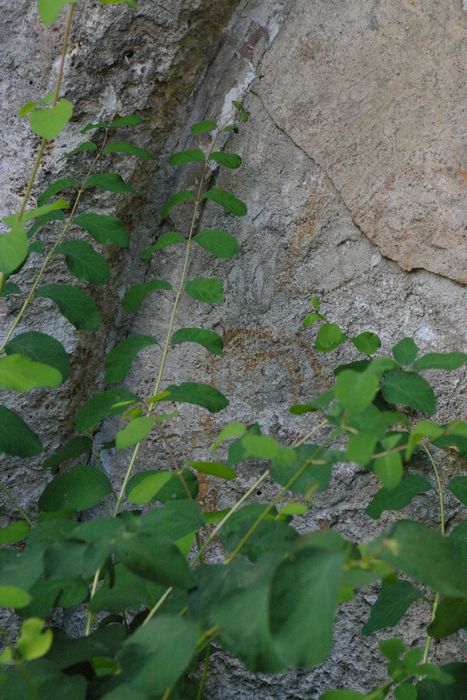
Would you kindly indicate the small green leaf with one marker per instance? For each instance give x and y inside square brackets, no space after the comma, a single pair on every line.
[15,532]
[16,438]
[409,389]
[214,468]
[49,10]
[392,603]
[119,360]
[74,448]
[392,649]
[34,642]
[208,339]
[41,348]
[37,213]
[136,431]
[329,337]
[128,149]
[199,394]
[405,351]
[136,294]
[234,429]
[203,127]
[49,122]
[80,489]
[293,509]
[228,160]
[440,360]
[14,597]
[219,243]
[84,262]
[183,157]
[398,497]
[227,200]
[356,390]
[451,615]
[458,486]
[425,428]
[14,247]
[130,119]
[110,182]
[166,239]
[209,290]
[106,230]
[9,289]
[77,306]
[84,146]
[389,469]
[175,200]
[367,342]
[19,373]
[406,691]
[143,487]
[55,187]
[342,694]
[311,319]
[107,403]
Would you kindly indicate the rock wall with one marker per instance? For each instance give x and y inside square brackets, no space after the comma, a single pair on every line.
[354,182]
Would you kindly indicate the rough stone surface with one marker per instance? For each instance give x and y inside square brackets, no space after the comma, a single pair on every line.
[352,175]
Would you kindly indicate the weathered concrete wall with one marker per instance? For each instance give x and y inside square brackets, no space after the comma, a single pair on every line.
[352,174]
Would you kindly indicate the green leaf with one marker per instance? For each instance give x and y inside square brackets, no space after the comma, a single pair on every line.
[107,403]
[155,558]
[389,469]
[426,428]
[143,487]
[203,127]
[37,213]
[14,247]
[16,438]
[84,263]
[356,390]
[398,497]
[409,389]
[15,532]
[458,486]
[208,339]
[305,587]
[80,489]
[342,694]
[166,239]
[13,597]
[74,448]
[226,200]
[110,182]
[106,230]
[219,243]
[128,149]
[458,537]
[311,319]
[329,337]
[119,360]
[405,351]
[233,429]
[130,119]
[175,200]
[360,447]
[392,603]
[440,360]
[209,290]
[9,289]
[136,431]
[49,10]
[367,342]
[214,468]
[183,157]
[136,294]
[77,306]
[308,476]
[455,437]
[49,122]
[228,160]
[57,186]
[435,689]
[406,691]
[85,146]
[198,394]
[451,615]
[19,373]
[34,641]
[41,348]
[156,655]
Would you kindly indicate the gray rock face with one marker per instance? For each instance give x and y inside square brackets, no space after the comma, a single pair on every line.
[352,175]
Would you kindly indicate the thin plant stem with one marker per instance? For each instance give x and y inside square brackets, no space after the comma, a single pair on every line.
[168,692]
[9,495]
[204,677]
[156,607]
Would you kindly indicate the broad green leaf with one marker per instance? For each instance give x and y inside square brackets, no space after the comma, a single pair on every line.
[41,348]
[15,532]
[405,351]
[16,438]
[19,373]
[74,448]
[43,220]
[265,447]
[440,360]
[426,428]
[305,587]
[342,694]
[208,339]
[425,555]
[309,472]
[360,447]
[451,615]
[49,122]
[143,487]
[106,230]
[409,389]
[389,469]
[228,160]
[455,436]
[183,157]
[436,689]
[130,119]
[356,390]
[367,342]
[77,306]
[398,497]
[458,537]
[154,557]
[136,294]
[9,289]
[406,691]
[14,247]
[199,394]
[164,240]
[209,290]
[110,182]
[13,597]
[119,360]
[226,200]
[392,603]
[85,146]
[214,468]
[128,149]
[34,641]
[57,186]
[176,199]
[49,10]
[37,213]
[380,365]
[80,489]
[155,656]
[136,431]
[392,649]
[84,262]
[234,429]
[107,403]
[329,337]
[219,243]
[203,127]
[458,486]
